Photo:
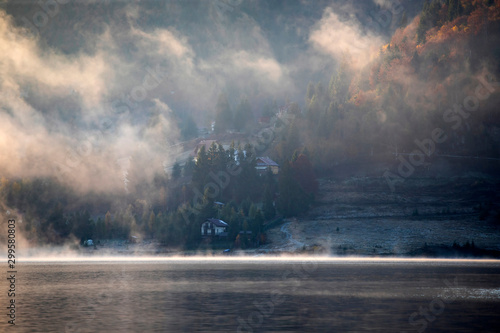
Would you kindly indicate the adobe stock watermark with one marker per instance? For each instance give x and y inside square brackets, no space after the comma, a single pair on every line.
[428,314]
[125,103]
[382,19]
[454,116]
[46,10]
[222,179]
[151,80]
[276,297]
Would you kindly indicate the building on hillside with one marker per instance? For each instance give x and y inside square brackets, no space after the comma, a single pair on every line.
[264,163]
[214,227]
[218,204]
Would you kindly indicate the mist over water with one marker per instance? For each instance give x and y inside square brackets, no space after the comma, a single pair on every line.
[208,259]
[254,294]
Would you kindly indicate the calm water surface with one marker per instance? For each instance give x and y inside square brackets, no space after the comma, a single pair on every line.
[256,296]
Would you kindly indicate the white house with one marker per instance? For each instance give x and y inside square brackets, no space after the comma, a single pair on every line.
[214,227]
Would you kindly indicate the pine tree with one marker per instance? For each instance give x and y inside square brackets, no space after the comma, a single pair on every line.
[338,88]
[269,210]
[415,61]
[201,168]
[189,167]
[108,225]
[257,223]
[428,19]
[150,225]
[245,185]
[100,229]
[292,201]
[314,110]
[176,171]
[83,226]
[455,9]
[304,174]
[58,222]
[129,223]
[292,140]
[207,210]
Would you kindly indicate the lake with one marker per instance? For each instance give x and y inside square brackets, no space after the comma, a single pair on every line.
[255,295]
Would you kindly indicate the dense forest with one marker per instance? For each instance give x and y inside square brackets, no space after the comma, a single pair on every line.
[170,209]
[430,65]
[438,71]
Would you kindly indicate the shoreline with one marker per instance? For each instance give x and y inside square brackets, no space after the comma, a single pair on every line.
[429,252]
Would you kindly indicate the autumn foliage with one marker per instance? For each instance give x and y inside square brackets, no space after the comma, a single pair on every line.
[428,65]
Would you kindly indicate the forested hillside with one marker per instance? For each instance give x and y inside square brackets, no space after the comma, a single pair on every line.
[431,65]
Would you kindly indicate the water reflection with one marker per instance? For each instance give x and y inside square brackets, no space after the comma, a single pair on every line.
[221,294]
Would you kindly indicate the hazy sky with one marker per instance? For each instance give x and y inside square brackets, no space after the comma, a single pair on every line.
[87,86]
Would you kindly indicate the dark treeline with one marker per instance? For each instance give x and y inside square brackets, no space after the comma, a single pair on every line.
[168,209]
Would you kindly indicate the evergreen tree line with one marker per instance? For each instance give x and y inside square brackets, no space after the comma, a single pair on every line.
[168,209]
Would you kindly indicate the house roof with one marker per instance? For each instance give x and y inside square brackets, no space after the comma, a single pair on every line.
[217,222]
[265,161]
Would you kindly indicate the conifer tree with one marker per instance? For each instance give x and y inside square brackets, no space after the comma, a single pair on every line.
[176,171]
[269,210]
[201,168]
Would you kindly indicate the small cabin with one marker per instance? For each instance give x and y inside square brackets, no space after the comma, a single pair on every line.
[264,163]
[214,227]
